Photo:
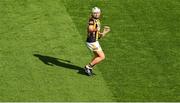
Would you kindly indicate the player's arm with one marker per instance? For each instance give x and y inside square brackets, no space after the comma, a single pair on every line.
[92,29]
[91,26]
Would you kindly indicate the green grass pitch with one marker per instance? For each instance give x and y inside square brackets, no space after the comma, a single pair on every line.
[43,51]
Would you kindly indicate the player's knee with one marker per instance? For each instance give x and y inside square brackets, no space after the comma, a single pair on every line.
[103,57]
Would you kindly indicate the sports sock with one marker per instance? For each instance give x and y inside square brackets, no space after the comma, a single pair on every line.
[90,65]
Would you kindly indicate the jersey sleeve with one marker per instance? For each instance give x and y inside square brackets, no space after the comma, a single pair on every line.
[91,22]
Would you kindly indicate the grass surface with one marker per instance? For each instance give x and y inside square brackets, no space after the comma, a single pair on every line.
[42,51]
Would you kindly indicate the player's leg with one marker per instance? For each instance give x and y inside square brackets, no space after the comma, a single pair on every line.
[90,66]
[99,56]
[95,56]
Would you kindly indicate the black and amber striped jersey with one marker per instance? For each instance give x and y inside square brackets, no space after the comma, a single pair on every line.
[93,36]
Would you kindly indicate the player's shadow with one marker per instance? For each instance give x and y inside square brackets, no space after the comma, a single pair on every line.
[51,61]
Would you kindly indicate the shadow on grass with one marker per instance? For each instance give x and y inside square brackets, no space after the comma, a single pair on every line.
[51,61]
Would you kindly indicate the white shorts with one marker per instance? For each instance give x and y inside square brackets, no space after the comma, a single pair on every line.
[94,46]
